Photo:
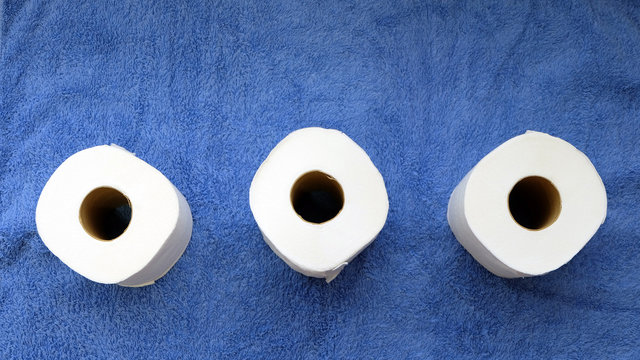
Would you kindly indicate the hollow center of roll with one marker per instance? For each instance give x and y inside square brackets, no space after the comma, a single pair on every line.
[317,197]
[534,203]
[105,213]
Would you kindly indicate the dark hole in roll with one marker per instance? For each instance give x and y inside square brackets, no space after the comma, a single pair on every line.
[534,203]
[317,197]
[105,213]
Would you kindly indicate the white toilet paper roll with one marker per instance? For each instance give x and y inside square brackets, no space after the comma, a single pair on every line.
[318,201]
[528,206]
[113,218]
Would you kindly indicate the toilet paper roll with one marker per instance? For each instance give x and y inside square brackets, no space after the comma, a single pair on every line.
[113,218]
[318,201]
[528,206]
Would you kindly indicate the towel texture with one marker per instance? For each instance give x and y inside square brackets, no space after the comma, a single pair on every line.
[203,90]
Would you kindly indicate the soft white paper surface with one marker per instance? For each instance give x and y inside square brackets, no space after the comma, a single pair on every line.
[157,235]
[319,250]
[481,221]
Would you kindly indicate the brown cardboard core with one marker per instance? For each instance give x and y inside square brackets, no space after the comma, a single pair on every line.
[534,203]
[105,213]
[317,197]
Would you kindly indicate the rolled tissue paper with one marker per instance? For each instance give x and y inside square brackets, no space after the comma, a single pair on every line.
[529,206]
[318,201]
[113,218]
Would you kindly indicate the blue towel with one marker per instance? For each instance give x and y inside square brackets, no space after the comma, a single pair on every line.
[203,91]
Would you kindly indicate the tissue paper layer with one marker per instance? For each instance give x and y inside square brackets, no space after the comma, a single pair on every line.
[529,206]
[318,201]
[113,218]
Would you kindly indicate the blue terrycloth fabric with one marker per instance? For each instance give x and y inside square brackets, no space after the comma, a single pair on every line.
[204,90]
